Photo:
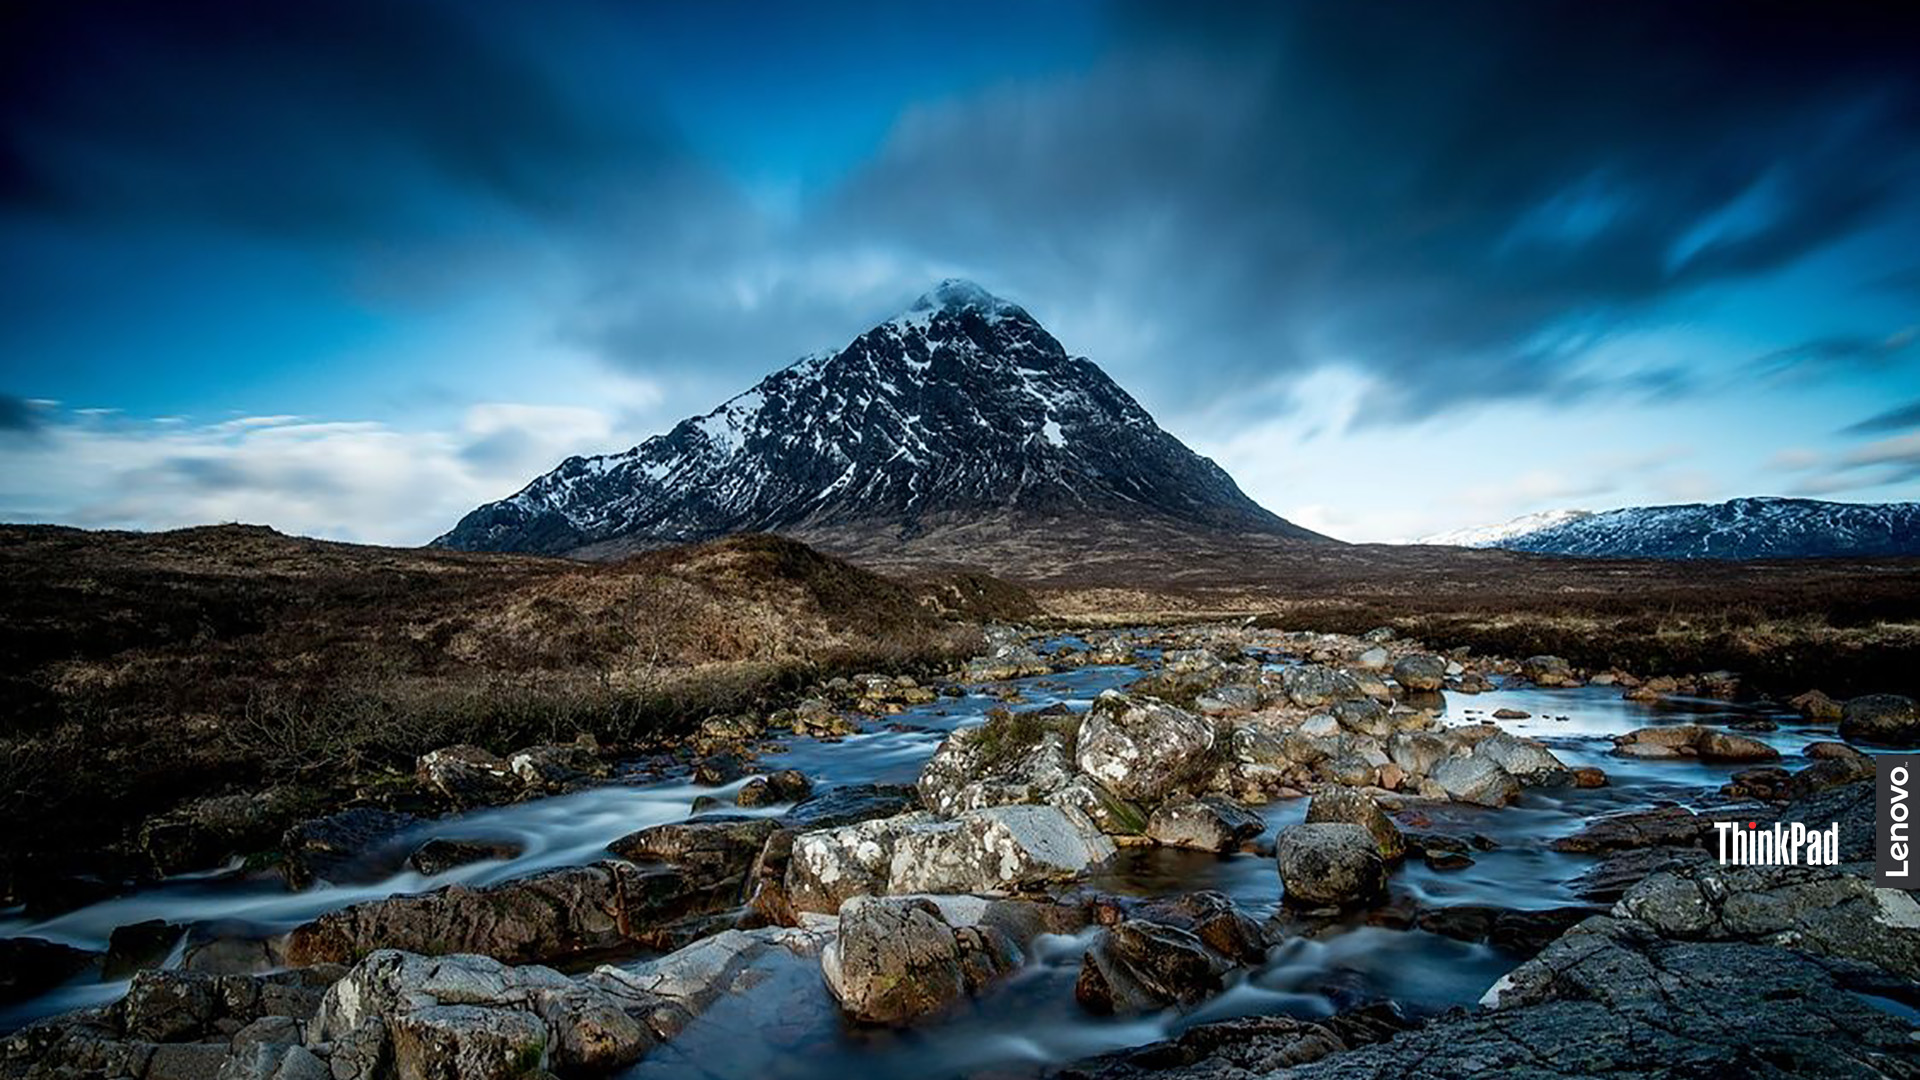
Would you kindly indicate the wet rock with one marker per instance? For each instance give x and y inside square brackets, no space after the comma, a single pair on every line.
[1013,663]
[1815,705]
[1548,671]
[31,966]
[1661,826]
[138,946]
[1329,864]
[1138,965]
[1511,714]
[1420,671]
[1475,779]
[1829,772]
[667,992]
[1012,758]
[1313,686]
[556,766]
[784,786]
[546,916]
[1525,932]
[897,959]
[471,1016]
[1142,749]
[814,718]
[438,855]
[1524,759]
[1232,699]
[206,831]
[1881,719]
[467,775]
[343,848]
[1417,752]
[1767,784]
[272,1061]
[848,804]
[1609,879]
[1588,776]
[1248,1047]
[1208,824]
[717,770]
[714,848]
[1350,807]
[1374,659]
[1692,741]
[1364,716]
[828,866]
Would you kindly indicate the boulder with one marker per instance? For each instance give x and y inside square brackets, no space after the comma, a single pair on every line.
[997,849]
[784,786]
[897,959]
[1313,686]
[1420,671]
[1475,779]
[131,948]
[1012,758]
[1137,965]
[715,847]
[1349,807]
[1547,671]
[1524,759]
[1417,752]
[1881,719]
[849,804]
[556,766]
[1208,824]
[1815,705]
[1329,864]
[31,966]
[1692,741]
[1142,749]
[1674,826]
[828,866]
[467,775]
[438,855]
[343,848]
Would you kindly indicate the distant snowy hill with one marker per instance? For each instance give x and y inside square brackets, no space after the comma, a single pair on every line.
[960,409]
[1491,535]
[1756,528]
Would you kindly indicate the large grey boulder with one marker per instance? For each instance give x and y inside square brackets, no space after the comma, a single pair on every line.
[1009,759]
[1475,779]
[1141,748]
[1208,824]
[1312,686]
[897,959]
[1524,759]
[1351,807]
[1420,671]
[1692,741]
[1329,864]
[1883,719]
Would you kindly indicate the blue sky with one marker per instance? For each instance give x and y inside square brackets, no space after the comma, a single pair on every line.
[351,269]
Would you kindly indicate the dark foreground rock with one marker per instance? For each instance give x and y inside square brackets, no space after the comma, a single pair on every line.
[898,959]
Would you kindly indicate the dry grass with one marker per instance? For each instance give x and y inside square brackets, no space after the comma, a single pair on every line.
[145,669]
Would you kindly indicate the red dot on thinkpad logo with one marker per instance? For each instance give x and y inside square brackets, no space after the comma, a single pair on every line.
[1753,824]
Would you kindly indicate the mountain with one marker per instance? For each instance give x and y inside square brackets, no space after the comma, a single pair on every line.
[1756,528]
[1482,536]
[960,413]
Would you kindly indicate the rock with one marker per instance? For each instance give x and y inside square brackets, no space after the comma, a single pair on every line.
[1012,758]
[1618,871]
[1142,749]
[1525,760]
[1319,726]
[1662,826]
[1417,752]
[784,786]
[1829,772]
[1588,776]
[1363,716]
[1547,671]
[1350,807]
[556,766]
[714,848]
[1881,719]
[1232,699]
[1815,705]
[849,804]
[546,916]
[1329,864]
[1511,714]
[137,946]
[468,775]
[471,1016]
[828,866]
[716,770]
[343,848]
[272,1061]
[31,966]
[438,855]
[1372,685]
[1525,932]
[206,831]
[1312,686]
[1374,659]
[999,848]
[1208,824]
[897,959]
[1475,779]
[1692,741]
[1138,965]
[1420,671]
[1767,783]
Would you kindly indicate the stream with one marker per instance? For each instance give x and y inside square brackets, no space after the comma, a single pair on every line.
[789,1027]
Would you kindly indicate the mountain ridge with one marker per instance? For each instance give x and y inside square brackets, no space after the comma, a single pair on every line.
[960,408]
[1753,527]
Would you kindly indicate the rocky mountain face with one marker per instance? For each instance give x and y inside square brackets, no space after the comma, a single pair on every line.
[1756,528]
[961,410]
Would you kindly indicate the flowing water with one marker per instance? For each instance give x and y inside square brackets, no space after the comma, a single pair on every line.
[788,1026]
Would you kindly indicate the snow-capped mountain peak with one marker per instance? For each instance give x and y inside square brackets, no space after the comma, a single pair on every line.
[1762,527]
[961,407]
[1491,535]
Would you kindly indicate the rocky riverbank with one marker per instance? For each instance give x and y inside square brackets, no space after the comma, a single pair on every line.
[1339,763]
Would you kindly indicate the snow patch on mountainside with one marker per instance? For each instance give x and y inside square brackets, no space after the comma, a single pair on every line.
[1752,528]
[1491,535]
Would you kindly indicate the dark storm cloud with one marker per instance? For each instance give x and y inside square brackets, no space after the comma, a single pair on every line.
[1461,198]
[1895,419]
[18,415]
[341,121]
